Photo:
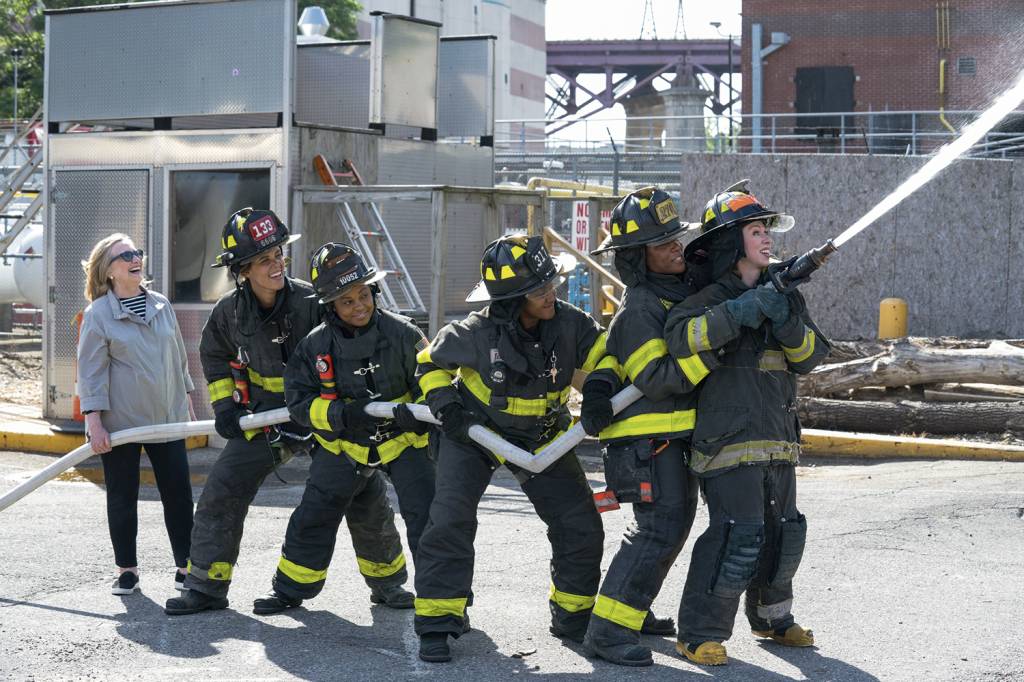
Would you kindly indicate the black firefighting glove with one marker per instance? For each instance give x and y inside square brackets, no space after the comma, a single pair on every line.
[773,303]
[355,419]
[596,413]
[455,422]
[406,421]
[226,421]
[745,309]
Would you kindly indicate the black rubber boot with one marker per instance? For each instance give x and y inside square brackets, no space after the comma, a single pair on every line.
[192,601]
[571,634]
[393,597]
[633,655]
[616,644]
[434,648]
[662,627]
[275,602]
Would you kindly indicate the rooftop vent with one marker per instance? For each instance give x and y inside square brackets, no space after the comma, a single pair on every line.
[313,22]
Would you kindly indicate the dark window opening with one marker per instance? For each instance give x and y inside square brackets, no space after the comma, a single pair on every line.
[201,202]
[823,89]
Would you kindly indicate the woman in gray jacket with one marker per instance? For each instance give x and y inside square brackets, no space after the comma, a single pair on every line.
[133,371]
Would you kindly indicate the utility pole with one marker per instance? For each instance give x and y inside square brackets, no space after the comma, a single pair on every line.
[15,56]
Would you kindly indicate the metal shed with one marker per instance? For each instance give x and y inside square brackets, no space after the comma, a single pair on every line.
[163,118]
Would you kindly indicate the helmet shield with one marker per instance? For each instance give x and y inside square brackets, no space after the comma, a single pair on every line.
[248,233]
[646,216]
[514,266]
[335,268]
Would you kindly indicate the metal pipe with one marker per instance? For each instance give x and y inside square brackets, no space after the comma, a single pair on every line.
[534,463]
[755,88]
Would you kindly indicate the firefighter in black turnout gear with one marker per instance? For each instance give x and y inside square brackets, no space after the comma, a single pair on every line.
[507,367]
[359,354]
[246,341]
[746,442]
[646,445]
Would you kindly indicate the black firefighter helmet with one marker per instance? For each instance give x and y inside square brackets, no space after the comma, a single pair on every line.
[646,216]
[721,238]
[515,265]
[248,233]
[335,268]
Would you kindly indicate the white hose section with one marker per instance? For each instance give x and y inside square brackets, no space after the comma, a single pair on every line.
[534,463]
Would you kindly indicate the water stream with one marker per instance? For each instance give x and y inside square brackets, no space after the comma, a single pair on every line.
[1005,103]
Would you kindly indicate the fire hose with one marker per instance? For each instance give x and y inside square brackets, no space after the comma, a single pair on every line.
[532,462]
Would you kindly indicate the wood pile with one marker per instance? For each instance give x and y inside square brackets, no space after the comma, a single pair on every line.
[940,386]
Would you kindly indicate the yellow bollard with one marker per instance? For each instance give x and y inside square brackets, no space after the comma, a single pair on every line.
[892,318]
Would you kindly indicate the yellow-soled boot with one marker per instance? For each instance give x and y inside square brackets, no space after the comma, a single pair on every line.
[706,653]
[794,635]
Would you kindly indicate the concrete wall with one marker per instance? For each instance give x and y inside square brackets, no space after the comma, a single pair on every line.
[953,249]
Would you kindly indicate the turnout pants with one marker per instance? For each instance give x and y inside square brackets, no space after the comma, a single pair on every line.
[753,545]
[444,567]
[340,488]
[220,514]
[649,548]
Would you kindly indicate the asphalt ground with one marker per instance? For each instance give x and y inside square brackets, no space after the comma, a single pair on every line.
[913,571]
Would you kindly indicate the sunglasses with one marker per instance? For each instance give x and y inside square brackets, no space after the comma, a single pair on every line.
[129,256]
[543,292]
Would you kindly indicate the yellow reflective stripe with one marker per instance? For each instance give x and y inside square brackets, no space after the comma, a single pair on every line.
[437,378]
[619,613]
[219,570]
[750,452]
[697,334]
[252,433]
[437,608]
[642,356]
[220,389]
[803,351]
[318,414]
[570,602]
[597,351]
[388,450]
[651,423]
[520,407]
[300,574]
[773,360]
[272,384]
[694,368]
[610,362]
[391,449]
[423,357]
[374,569]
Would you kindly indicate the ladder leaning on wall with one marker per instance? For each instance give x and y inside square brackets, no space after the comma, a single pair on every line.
[374,245]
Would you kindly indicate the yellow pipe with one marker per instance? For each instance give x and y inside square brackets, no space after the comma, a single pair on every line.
[942,96]
[577,189]
[873,446]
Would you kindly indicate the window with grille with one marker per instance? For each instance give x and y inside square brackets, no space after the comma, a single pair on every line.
[966,66]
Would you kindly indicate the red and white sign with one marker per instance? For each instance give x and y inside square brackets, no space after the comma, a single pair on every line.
[581,225]
[606,219]
[262,228]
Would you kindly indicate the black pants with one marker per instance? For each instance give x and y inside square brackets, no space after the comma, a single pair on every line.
[649,548]
[340,488]
[753,545]
[121,474]
[444,568]
[220,514]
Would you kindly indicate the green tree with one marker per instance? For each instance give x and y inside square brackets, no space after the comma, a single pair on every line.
[22,25]
[341,13]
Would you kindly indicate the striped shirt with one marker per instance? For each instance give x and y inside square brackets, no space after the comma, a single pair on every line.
[135,304]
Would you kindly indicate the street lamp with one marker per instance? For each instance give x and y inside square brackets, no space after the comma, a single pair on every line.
[16,54]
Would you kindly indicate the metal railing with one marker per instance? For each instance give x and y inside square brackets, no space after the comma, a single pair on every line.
[907,133]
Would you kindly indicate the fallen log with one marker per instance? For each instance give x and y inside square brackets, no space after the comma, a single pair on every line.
[844,351]
[910,416]
[908,363]
[985,390]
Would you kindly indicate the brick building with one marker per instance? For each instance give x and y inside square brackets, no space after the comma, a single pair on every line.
[880,55]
